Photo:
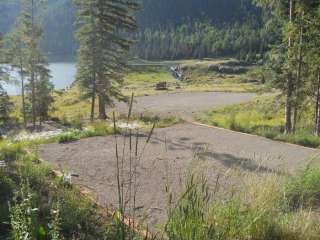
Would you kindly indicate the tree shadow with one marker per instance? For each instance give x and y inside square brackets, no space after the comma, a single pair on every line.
[232,161]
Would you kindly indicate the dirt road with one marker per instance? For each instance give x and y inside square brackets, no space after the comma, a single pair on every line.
[184,104]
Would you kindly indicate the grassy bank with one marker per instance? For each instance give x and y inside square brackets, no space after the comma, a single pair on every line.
[35,204]
[264,117]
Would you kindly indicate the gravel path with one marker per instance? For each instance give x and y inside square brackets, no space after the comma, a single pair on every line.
[185,104]
[171,153]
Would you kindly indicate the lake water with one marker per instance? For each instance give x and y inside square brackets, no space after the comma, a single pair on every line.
[63,75]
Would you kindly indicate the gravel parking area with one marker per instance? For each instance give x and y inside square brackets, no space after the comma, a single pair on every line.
[169,156]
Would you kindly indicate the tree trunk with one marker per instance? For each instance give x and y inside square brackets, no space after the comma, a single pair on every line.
[317,110]
[22,94]
[33,87]
[297,99]
[288,107]
[93,97]
[102,106]
[33,97]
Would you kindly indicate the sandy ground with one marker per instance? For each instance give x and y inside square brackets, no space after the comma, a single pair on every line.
[171,153]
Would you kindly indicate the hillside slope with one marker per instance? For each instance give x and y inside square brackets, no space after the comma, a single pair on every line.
[209,28]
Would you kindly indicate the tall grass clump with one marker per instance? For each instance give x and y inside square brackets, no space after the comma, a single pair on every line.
[129,150]
[303,191]
[187,218]
[260,209]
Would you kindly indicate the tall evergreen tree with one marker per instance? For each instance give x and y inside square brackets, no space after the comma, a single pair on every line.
[15,56]
[30,32]
[5,106]
[297,19]
[44,89]
[103,47]
[5,103]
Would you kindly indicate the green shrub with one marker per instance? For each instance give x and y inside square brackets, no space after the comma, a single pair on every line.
[10,152]
[76,123]
[23,213]
[88,133]
[101,129]
[7,187]
[36,173]
[161,122]
[167,122]
[68,137]
[77,214]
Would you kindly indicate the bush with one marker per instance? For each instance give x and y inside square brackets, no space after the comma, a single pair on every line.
[167,122]
[23,213]
[7,187]
[36,173]
[10,152]
[69,137]
[79,217]
[76,123]
[101,129]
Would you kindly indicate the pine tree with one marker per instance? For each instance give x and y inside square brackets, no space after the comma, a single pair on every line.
[5,106]
[298,20]
[5,103]
[15,56]
[35,69]
[44,89]
[103,47]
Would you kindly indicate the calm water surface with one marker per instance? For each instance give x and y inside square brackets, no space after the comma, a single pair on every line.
[63,75]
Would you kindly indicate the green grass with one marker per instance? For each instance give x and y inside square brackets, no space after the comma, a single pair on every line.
[260,211]
[41,205]
[303,191]
[264,117]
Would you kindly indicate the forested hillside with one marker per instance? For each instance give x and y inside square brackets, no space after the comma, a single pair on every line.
[168,12]
[167,29]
